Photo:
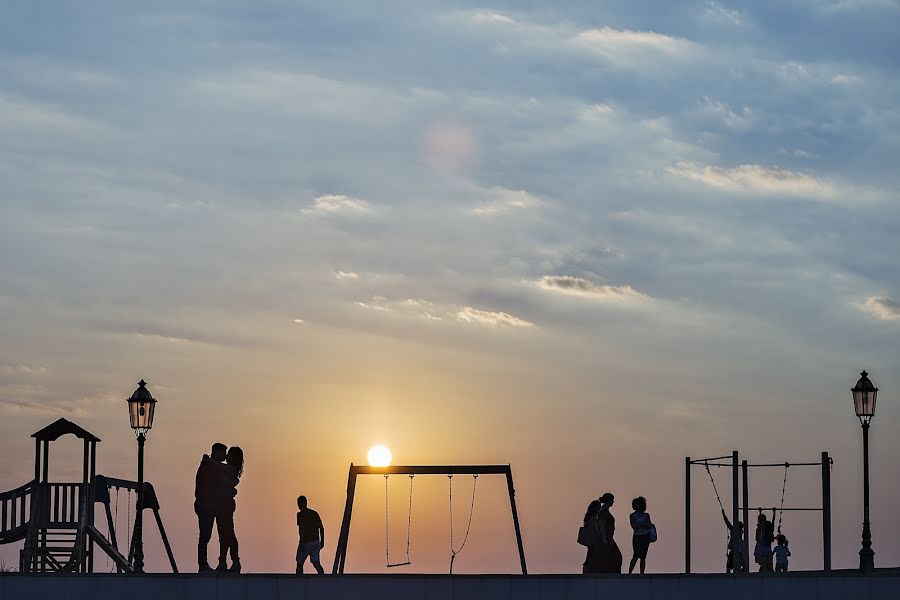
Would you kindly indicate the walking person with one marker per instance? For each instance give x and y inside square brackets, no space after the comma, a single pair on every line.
[228,542]
[208,497]
[592,538]
[610,555]
[312,536]
[640,541]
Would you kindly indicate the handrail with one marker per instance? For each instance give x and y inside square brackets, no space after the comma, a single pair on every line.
[16,492]
[15,508]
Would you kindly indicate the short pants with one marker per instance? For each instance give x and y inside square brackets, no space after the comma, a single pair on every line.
[308,549]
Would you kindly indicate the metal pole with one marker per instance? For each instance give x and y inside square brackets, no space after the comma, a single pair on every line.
[515,516]
[826,512]
[138,516]
[735,513]
[745,495]
[340,552]
[687,514]
[866,554]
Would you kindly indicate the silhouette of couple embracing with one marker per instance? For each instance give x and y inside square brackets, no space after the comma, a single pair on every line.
[214,502]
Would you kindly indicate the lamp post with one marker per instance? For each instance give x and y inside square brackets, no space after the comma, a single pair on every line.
[864,396]
[141,407]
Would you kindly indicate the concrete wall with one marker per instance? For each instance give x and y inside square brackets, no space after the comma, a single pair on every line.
[442,587]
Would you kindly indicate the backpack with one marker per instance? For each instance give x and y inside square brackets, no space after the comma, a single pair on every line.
[653,535]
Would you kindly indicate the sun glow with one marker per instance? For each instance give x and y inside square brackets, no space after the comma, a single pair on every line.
[380,456]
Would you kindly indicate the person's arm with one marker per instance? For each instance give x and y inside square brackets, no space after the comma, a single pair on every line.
[727,522]
[321,534]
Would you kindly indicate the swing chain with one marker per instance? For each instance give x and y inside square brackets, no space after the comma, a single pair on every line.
[783,488]
[454,552]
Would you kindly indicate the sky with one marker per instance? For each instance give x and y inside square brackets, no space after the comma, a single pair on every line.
[587,239]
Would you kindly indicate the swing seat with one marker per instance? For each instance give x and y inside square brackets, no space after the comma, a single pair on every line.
[403,564]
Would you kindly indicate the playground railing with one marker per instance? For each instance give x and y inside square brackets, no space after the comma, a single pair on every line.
[60,504]
[15,512]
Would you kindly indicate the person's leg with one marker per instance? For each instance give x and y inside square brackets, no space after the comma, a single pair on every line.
[314,557]
[233,548]
[205,520]
[633,562]
[643,564]
[225,527]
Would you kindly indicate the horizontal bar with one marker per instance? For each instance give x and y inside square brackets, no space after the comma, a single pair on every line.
[431,470]
[790,464]
[768,508]
[703,464]
[703,460]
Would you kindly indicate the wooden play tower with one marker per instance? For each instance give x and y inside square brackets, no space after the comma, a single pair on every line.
[56,520]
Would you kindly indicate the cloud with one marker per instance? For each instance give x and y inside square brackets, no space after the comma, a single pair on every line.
[717,12]
[882,307]
[506,201]
[484,17]
[757,180]
[21,369]
[346,275]
[337,204]
[577,286]
[627,45]
[429,311]
[468,314]
[299,321]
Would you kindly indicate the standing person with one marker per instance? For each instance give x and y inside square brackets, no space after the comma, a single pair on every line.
[228,542]
[640,541]
[312,536]
[591,562]
[208,499]
[781,554]
[610,555]
[735,546]
[765,535]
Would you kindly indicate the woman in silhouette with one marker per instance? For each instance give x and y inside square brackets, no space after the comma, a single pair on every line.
[592,523]
[228,542]
[610,557]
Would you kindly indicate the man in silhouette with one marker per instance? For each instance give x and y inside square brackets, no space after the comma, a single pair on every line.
[208,497]
[312,536]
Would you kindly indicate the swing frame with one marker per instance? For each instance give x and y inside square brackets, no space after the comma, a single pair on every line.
[340,553]
[740,486]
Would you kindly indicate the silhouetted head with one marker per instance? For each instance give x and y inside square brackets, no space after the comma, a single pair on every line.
[740,526]
[301,502]
[782,541]
[639,504]
[761,519]
[608,499]
[235,458]
[592,510]
[218,451]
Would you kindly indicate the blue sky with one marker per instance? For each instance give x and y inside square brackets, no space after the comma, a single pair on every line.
[682,216]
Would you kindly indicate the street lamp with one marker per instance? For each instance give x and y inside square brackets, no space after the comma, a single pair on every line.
[864,396]
[141,407]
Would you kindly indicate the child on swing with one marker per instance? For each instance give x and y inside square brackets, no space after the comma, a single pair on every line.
[781,554]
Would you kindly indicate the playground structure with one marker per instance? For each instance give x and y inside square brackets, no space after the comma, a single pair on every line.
[340,555]
[740,500]
[56,520]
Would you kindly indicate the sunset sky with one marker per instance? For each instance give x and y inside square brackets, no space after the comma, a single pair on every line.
[587,239]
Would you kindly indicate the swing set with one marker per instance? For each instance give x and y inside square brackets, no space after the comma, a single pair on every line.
[740,486]
[340,555]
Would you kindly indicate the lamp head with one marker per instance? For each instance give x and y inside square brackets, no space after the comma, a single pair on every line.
[141,409]
[864,395]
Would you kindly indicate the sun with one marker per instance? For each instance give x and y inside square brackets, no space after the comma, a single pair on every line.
[380,456]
